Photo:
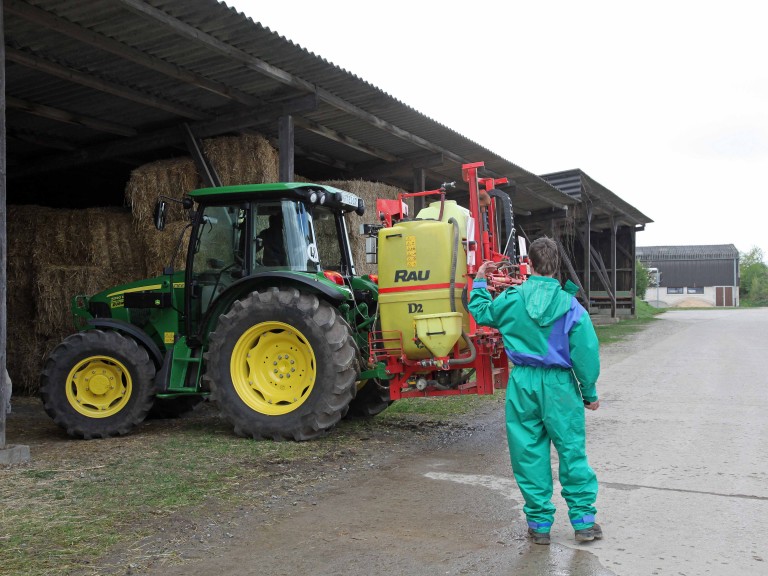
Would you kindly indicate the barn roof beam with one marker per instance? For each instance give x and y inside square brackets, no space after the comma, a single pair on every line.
[401,165]
[41,140]
[168,137]
[342,139]
[601,203]
[604,222]
[68,117]
[70,74]
[277,74]
[543,216]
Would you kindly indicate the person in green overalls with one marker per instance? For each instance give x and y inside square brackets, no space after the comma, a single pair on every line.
[550,340]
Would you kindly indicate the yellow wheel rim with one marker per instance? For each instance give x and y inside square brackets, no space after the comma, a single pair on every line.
[99,387]
[273,368]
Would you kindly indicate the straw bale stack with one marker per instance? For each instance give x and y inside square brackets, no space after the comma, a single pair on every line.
[245,159]
[20,274]
[173,178]
[53,255]
[369,192]
[56,285]
[162,246]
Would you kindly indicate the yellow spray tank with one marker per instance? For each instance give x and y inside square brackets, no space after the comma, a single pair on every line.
[416,273]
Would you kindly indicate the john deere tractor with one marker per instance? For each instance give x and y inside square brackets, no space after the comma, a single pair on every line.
[268,319]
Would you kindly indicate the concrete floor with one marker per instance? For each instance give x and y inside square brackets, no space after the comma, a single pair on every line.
[680,446]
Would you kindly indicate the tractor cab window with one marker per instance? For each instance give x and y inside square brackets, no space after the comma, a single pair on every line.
[291,236]
[233,241]
[324,223]
[218,250]
[283,238]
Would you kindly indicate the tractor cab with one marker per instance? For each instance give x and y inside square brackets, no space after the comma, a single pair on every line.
[266,231]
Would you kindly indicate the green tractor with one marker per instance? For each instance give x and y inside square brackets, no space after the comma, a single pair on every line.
[268,319]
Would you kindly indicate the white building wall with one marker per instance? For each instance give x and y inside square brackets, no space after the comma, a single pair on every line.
[658,297]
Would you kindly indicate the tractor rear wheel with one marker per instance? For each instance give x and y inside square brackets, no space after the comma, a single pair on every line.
[97,384]
[281,364]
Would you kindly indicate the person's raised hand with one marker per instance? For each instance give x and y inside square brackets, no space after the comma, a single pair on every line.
[485,267]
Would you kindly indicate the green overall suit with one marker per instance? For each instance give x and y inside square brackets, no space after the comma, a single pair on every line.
[551,341]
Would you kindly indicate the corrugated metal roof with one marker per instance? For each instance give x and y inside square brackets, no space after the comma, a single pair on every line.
[579,185]
[694,252]
[111,81]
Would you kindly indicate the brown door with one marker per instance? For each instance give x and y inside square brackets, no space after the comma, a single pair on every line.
[724,296]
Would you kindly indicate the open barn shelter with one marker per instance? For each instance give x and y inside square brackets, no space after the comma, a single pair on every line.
[599,236]
[108,102]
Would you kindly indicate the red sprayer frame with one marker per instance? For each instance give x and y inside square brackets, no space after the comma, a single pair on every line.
[412,378]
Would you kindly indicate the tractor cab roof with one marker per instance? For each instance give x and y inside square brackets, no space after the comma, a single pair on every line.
[313,193]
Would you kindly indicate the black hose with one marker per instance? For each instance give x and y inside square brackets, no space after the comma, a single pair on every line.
[454,260]
[472,355]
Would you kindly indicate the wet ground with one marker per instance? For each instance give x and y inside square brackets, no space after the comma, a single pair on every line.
[680,445]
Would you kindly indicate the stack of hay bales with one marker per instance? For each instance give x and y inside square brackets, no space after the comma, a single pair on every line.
[369,192]
[173,179]
[54,255]
[247,159]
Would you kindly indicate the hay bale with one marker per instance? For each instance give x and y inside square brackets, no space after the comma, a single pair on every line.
[245,159]
[369,192]
[173,178]
[160,247]
[26,355]
[21,233]
[56,285]
[52,256]
[115,246]
[61,236]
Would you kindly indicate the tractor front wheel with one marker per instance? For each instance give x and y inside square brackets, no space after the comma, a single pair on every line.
[371,399]
[97,384]
[281,364]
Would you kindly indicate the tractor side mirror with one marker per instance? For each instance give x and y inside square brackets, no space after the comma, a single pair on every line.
[160,213]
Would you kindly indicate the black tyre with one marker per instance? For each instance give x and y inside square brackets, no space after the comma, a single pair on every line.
[370,400]
[97,384]
[173,407]
[281,364]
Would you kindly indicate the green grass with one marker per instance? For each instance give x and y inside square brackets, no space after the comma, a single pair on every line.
[441,406]
[644,314]
[57,519]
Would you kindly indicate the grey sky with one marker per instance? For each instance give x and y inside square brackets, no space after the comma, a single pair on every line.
[664,103]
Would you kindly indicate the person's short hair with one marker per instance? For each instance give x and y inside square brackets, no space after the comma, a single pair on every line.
[544,256]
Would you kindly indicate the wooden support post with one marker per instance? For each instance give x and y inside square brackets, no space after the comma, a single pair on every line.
[633,259]
[8,454]
[419,185]
[3,239]
[614,266]
[587,238]
[286,143]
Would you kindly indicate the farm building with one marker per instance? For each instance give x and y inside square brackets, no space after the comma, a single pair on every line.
[705,275]
[600,242]
[110,103]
